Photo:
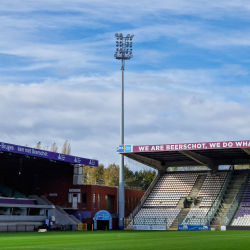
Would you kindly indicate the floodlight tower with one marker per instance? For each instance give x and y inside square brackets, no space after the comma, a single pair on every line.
[123,52]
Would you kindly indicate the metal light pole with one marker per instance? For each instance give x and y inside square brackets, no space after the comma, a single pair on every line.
[123,52]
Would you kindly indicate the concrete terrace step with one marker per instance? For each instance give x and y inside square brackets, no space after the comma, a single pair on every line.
[183,213]
[232,191]
[197,186]
[180,203]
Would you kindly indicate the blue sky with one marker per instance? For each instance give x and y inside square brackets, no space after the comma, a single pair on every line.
[187,82]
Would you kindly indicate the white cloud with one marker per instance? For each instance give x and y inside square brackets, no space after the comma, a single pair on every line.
[99,8]
[67,47]
[89,116]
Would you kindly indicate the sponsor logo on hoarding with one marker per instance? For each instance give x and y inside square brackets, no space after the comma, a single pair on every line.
[128,148]
[92,162]
[193,228]
[192,146]
[147,227]
[124,148]
[120,149]
[46,154]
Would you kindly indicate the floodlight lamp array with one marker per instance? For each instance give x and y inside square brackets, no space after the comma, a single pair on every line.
[123,46]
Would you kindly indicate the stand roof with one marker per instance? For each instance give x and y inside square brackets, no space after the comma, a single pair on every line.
[210,154]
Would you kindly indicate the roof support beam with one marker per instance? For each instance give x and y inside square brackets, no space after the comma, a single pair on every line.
[180,163]
[146,161]
[202,160]
[247,150]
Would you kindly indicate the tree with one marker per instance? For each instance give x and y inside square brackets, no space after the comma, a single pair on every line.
[66,149]
[54,148]
[93,175]
[111,175]
[38,145]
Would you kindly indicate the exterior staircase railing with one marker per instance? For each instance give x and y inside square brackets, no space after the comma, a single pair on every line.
[216,205]
[236,202]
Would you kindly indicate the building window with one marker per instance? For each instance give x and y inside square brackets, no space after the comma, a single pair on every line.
[110,203]
[70,198]
[99,202]
[84,201]
[94,202]
[126,203]
[106,197]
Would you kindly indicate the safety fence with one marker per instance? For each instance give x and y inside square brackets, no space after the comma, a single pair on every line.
[18,228]
[129,223]
[170,223]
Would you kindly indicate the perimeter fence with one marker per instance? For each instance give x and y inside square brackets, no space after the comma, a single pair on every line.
[34,228]
[171,223]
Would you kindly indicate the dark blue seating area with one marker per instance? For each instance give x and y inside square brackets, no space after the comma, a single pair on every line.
[242,212]
[246,199]
[16,201]
[242,218]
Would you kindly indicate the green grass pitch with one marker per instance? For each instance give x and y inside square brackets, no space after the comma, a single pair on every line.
[127,240]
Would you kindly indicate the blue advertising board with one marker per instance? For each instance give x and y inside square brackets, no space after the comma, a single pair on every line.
[11,148]
[128,148]
[193,228]
[120,149]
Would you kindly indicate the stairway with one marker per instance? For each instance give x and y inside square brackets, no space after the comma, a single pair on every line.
[180,203]
[232,191]
[197,185]
[183,213]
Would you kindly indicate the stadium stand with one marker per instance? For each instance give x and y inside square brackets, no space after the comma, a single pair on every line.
[246,199]
[197,215]
[156,216]
[163,201]
[211,188]
[196,198]
[170,189]
[242,218]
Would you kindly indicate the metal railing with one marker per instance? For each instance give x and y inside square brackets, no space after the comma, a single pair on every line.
[148,221]
[18,228]
[213,210]
[168,222]
[204,221]
[235,204]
